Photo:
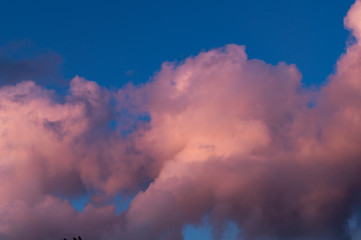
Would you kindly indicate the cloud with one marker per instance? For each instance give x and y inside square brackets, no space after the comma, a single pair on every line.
[21,61]
[216,136]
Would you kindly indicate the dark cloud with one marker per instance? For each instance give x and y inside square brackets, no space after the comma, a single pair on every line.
[21,61]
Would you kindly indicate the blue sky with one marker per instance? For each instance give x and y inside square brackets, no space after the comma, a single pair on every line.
[114,42]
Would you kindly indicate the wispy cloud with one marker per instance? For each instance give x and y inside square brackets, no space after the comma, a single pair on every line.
[21,61]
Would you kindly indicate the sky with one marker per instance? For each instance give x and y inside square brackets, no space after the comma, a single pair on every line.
[114,42]
[180,120]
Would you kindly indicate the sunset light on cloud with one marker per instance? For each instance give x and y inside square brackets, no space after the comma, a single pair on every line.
[217,141]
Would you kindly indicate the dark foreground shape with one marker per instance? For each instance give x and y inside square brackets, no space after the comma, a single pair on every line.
[79,238]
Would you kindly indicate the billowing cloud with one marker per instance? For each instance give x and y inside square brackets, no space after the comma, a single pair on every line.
[218,137]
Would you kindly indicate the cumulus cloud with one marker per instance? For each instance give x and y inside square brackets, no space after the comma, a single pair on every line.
[217,136]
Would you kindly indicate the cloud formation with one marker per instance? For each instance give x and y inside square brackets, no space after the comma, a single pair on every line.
[20,61]
[217,136]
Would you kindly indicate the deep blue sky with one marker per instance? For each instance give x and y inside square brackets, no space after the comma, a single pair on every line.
[113,42]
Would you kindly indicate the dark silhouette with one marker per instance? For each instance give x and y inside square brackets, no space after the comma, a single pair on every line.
[79,238]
